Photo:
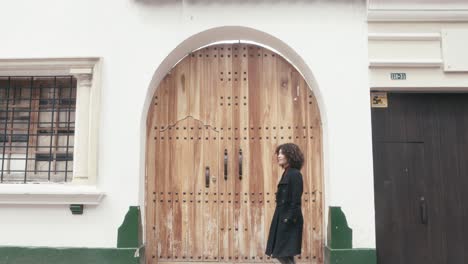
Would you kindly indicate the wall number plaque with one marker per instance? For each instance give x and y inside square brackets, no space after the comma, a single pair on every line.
[398,76]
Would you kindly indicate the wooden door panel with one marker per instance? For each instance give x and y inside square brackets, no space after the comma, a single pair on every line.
[451,132]
[164,199]
[238,233]
[315,172]
[197,197]
[400,188]
[226,126]
[177,174]
[241,98]
[181,99]
[211,152]
[433,129]
[240,121]
[391,201]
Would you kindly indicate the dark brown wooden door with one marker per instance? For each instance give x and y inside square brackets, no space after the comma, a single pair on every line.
[216,118]
[420,145]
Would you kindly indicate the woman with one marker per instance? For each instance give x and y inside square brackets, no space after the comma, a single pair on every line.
[285,237]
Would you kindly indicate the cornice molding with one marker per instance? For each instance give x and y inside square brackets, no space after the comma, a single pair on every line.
[47,66]
[404,36]
[430,63]
[405,15]
[49,194]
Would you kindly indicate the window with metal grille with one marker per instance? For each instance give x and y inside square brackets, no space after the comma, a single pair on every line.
[37,125]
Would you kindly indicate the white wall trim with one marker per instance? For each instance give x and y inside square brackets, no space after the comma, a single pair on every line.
[384,63]
[47,66]
[76,67]
[404,36]
[405,15]
[49,194]
[421,89]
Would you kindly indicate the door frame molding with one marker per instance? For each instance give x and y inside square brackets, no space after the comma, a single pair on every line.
[226,33]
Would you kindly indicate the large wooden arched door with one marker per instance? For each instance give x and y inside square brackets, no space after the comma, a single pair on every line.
[213,126]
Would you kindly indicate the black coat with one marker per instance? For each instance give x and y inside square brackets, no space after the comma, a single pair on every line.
[285,237]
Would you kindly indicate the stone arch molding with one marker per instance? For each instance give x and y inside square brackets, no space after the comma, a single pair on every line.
[227,33]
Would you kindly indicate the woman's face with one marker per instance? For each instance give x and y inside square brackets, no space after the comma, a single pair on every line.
[282,160]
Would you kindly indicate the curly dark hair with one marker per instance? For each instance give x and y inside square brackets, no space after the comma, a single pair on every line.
[293,154]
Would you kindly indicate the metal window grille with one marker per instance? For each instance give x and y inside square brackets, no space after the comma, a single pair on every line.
[37,126]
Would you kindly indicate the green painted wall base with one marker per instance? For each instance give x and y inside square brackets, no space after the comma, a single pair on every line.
[129,249]
[350,256]
[28,255]
[339,249]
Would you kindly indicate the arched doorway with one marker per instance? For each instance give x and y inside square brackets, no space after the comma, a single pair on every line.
[211,175]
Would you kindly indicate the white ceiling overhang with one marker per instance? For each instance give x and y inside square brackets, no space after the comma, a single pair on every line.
[417,10]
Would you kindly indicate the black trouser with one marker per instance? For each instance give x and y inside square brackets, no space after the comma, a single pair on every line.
[286,260]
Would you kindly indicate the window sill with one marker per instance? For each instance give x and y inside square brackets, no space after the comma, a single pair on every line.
[49,194]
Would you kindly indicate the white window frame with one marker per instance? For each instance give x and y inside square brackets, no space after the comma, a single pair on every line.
[82,189]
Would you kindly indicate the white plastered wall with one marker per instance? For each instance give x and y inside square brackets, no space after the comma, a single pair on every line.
[433,55]
[140,40]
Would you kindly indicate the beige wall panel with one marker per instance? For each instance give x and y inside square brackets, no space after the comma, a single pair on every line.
[419,79]
[404,50]
[455,52]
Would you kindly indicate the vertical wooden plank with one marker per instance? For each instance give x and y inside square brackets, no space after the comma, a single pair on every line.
[212,101]
[283,115]
[270,169]
[215,104]
[182,81]
[316,184]
[429,111]
[449,160]
[162,97]
[227,183]
[211,216]
[176,175]
[302,138]
[185,176]
[244,222]
[462,127]
[152,141]
[257,109]
[178,103]
[236,140]
[163,213]
[196,196]
[194,89]
[152,198]
[223,124]
[212,154]
[232,155]
[167,211]
[195,219]
[164,208]
[191,166]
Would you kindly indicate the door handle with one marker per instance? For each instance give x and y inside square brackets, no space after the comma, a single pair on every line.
[225,164]
[240,164]
[423,210]
[207,177]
